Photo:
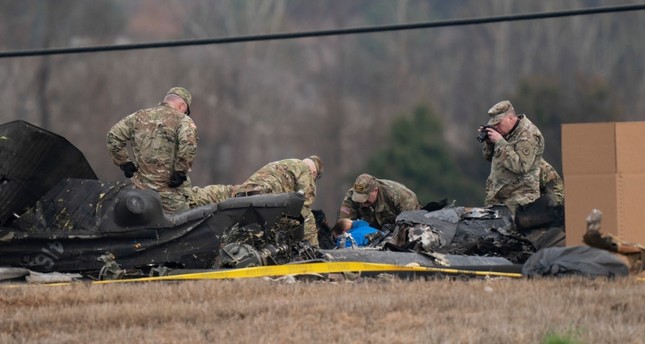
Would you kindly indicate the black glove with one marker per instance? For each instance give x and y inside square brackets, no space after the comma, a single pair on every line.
[128,169]
[176,179]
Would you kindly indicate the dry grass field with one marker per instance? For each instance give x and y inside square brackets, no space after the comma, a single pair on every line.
[381,310]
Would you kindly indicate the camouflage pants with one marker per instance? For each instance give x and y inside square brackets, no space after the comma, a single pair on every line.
[210,194]
[311,236]
[173,201]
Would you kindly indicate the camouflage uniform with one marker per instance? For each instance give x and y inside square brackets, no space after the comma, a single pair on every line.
[551,184]
[392,199]
[289,175]
[163,141]
[211,194]
[515,170]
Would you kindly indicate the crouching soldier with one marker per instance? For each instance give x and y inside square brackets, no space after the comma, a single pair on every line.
[377,201]
[548,209]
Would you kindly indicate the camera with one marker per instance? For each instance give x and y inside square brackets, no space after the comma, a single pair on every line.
[483,134]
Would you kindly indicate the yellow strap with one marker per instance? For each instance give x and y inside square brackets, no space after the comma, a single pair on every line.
[308,268]
[301,269]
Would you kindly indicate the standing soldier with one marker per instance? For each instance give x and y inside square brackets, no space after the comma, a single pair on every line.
[164,143]
[377,201]
[289,175]
[514,146]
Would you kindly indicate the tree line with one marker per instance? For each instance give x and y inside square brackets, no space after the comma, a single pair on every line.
[402,105]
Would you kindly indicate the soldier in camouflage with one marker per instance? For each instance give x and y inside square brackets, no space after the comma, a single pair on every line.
[164,144]
[551,184]
[289,175]
[514,146]
[377,201]
[211,194]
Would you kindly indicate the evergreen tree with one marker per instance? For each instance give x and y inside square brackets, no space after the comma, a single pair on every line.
[551,101]
[416,155]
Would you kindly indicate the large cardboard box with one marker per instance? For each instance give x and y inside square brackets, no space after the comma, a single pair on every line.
[604,168]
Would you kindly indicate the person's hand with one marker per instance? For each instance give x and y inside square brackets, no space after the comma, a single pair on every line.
[128,169]
[176,179]
[493,135]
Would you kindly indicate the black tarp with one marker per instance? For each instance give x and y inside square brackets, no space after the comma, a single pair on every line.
[577,260]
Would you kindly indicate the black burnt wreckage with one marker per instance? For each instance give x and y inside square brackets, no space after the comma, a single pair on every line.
[57,216]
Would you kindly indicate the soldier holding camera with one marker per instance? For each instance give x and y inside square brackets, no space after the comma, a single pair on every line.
[514,146]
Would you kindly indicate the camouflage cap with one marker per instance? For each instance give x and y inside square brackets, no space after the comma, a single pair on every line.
[498,111]
[319,164]
[363,185]
[183,94]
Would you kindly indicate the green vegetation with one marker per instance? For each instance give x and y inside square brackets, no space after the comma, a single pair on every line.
[551,101]
[570,337]
[417,155]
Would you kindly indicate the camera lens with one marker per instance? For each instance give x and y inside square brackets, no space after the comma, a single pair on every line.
[483,135]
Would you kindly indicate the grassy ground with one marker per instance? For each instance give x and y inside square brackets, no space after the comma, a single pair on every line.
[382,310]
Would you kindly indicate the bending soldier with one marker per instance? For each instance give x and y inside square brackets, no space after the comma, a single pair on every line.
[164,144]
[211,194]
[289,175]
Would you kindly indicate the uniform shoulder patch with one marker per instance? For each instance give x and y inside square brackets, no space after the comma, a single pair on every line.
[524,147]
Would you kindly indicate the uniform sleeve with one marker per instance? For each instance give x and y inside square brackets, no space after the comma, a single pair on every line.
[409,203]
[558,191]
[305,182]
[348,207]
[406,200]
[487,151]
[518,157]
[187,145]
[117,138]
[552,185]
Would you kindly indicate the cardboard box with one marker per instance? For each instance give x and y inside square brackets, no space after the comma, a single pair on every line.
[604,168]
[620,198]
[597,148]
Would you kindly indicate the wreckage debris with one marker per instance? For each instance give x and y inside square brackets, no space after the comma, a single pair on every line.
[59,218]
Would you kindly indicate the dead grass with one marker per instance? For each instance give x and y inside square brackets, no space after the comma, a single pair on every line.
[366,311]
